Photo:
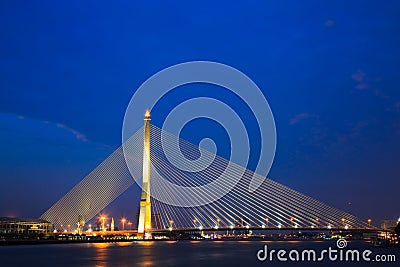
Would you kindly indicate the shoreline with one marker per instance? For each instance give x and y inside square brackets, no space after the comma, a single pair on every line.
[55,242]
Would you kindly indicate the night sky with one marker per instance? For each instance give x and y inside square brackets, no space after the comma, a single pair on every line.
[330,71]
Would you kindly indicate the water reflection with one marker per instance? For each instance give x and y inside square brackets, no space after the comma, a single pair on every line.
[160,253]
[124,244]
[101,254]
[146,243]
[147,251]
[101,245]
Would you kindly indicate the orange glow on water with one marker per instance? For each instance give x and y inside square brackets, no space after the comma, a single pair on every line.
[101,245]
[147,243]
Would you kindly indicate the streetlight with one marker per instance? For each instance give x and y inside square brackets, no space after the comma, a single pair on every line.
[130,225]
[369,223]
[123,220]
[194,223]
[170,223]
[267,220]
[103,218]
[343,221]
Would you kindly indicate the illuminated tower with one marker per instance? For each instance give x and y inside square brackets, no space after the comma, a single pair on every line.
[145,206]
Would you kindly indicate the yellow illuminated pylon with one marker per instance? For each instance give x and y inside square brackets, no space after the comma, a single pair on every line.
[145,205]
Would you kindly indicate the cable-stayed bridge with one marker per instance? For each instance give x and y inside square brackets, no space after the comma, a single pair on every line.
[271,205]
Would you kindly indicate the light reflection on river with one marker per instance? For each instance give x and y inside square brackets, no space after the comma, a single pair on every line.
[170,253]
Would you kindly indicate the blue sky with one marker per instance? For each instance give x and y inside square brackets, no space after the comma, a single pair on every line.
[329,70]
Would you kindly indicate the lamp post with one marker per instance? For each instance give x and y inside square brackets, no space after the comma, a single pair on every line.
[123,220]
[267,220]
[369,223]
[103,218]
[130,225]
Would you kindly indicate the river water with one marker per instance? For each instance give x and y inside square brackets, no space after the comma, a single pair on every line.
[179,253]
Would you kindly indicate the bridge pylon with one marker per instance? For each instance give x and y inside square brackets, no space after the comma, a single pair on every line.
[144,225]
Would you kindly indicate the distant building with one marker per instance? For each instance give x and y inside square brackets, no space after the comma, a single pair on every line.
[389,224]
[24,226]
